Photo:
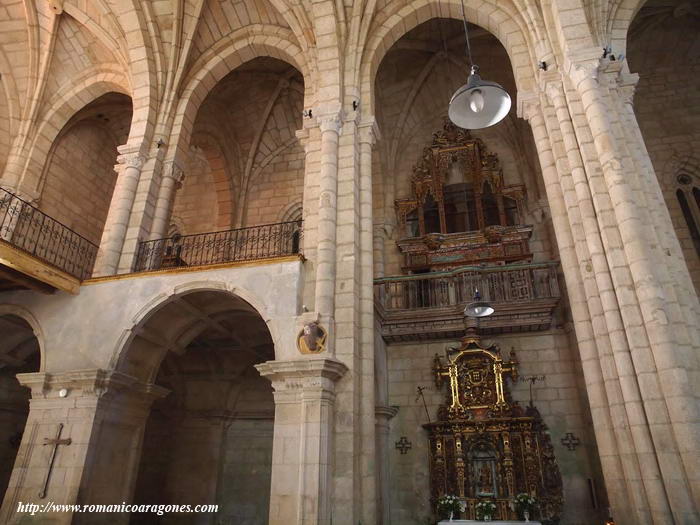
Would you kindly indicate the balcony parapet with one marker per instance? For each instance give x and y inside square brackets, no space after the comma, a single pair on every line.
[254,243]
[39,252]
[430,306]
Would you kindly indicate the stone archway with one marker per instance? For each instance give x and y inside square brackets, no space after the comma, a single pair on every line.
[209,440]
[19,353]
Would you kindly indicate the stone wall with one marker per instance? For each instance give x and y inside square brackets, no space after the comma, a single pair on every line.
[279,186]
[80,179]
[560,398]
[667,105]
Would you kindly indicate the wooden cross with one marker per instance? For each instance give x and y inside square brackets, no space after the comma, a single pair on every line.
[55,442]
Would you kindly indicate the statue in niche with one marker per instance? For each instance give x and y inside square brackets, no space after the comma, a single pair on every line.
[485,479]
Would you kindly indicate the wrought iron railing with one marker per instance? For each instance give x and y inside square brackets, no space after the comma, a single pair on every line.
[31,230]
[242,244]
[497,284]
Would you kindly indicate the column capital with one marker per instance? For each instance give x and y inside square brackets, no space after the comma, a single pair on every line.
[173,169]
[131,155]
[385,412]
[627,86]
[303,374]
[528,104]
[96,383]
[131,160]
[331,122]
[582,63]
[369,131]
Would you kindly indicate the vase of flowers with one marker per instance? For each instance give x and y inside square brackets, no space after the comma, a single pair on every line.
[449,506]
[485,510]
[525,505]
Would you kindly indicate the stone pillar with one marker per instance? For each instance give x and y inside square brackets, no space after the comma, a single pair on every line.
[104,415]
[368,134]
[330,124]
[383,415]
[379,250]
[639,461]
[171,180]
[130,162]
[601,392]
[302,449]
[658,320]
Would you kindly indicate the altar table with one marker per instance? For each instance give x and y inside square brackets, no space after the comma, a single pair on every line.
[492,522]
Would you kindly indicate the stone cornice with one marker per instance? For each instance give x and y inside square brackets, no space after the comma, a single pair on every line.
[92,382]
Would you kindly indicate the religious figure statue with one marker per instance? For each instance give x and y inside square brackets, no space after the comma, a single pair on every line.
[485,479]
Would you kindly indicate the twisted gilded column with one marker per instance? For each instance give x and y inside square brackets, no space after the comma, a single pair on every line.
[130,162]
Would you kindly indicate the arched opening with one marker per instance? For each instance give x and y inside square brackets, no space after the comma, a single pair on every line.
[78,178]
[662,44]
[458,199]
[19,354]
[246,164]
[209,441]
[413,86]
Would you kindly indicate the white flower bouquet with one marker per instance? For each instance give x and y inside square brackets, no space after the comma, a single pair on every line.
[449,506]
[485,510]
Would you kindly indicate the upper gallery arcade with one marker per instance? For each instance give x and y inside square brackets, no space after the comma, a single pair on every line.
[238,237]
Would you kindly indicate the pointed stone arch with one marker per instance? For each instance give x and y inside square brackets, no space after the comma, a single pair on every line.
[238,48]
[507,24]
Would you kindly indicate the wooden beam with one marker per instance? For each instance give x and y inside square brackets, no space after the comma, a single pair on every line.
[23,281]
[36,272]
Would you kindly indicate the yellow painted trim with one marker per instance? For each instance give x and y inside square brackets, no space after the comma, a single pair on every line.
[201,268]
[37,269]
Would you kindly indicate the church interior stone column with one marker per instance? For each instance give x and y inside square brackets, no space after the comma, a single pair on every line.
[384,414]
[172,178]
[98,419]
[128,169]
[302,450]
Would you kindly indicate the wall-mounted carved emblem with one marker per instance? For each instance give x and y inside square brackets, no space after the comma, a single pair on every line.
[403,445]
[312,338]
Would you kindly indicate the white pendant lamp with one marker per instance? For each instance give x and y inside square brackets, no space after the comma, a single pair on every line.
[478,308]
[479,103]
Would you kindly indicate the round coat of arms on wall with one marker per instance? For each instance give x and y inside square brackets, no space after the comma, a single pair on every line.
[312,339]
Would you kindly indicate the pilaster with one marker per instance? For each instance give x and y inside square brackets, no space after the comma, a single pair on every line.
[303,445]
[103,413]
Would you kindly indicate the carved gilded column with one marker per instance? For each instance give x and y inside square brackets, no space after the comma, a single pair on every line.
[302,449]
[130,161]
[172,178]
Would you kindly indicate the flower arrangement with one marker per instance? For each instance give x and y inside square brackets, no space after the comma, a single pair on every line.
[485,510]
[450,505]
[525,504]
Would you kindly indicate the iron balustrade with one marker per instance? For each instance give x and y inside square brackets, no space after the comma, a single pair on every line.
[241,244]
[497,284]
[26,227]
